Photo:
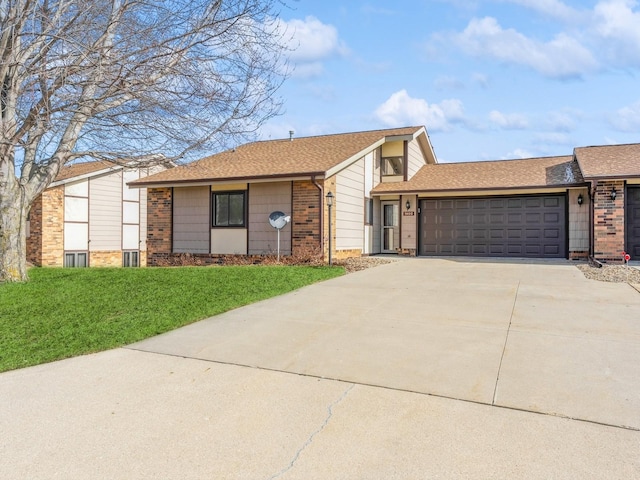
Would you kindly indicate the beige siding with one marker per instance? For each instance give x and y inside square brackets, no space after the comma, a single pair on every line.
[229,241]
[191,219]
[350,207]
[376,167]
[265,198]
[393,149]
[415,160]
[105,212]
[578,221]
[409,222]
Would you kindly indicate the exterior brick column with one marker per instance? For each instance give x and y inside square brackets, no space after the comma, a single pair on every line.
[159,221]
[305,219]
[34,240]
[52,227]
[608,221]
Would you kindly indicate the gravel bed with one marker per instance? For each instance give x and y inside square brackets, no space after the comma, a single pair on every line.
[356,264]
[611,273]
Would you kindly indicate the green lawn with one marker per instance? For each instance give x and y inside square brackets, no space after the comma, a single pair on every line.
[61,313]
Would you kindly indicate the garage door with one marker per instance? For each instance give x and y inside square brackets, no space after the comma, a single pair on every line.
[633,222]
[518,226]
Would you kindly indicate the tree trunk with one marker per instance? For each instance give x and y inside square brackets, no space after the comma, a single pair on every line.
[13,234]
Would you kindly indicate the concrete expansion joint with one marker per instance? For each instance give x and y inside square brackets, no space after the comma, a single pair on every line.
[316,432]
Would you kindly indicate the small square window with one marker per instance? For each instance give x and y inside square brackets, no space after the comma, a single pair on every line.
[131,259]
[392,166]
[75,259]
[228,209]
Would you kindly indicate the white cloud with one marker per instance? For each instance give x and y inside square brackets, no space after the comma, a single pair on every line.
[518,153]
[627,119]
[561,57]
[554,138]
[509,121]
[562,121]
[551,8]
[616,22]
[401,109]
[310,42]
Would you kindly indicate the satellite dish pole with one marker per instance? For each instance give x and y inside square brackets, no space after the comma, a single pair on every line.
[279,220]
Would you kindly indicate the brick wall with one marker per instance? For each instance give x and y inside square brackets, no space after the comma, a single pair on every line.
[105,258]
[52,227]
[305,219]
[608,230]
[34,240]
[159,220]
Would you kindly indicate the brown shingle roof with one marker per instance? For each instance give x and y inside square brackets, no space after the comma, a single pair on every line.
[78,169]
[609,160]
[528,173]
[273,158]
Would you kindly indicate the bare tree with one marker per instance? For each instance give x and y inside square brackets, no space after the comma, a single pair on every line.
[124,80]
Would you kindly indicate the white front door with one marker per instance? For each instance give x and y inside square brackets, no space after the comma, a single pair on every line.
[390,231]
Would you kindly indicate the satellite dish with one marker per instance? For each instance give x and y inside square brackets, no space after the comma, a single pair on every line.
[279,220]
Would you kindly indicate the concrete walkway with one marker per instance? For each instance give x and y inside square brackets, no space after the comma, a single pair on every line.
[425,368]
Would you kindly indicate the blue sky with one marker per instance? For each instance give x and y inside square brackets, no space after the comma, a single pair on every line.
[490,80]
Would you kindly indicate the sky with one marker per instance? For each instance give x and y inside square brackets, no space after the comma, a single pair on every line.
[489,79]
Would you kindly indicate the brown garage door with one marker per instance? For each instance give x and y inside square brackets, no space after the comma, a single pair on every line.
[517,226]
[633,222]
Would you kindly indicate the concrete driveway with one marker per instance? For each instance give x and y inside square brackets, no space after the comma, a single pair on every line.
[424,368]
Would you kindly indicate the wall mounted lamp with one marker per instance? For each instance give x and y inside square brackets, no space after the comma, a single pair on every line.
[613,193]
[580,199]
[408,205]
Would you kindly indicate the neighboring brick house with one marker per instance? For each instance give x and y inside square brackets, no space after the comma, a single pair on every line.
[89,217]
[392,196]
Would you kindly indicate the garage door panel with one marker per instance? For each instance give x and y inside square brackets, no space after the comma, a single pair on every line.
[632,222]
[518,226]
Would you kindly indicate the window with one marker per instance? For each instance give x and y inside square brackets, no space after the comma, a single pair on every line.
[75,259]
[131,259]
[392,166]
[368,211]
[228,209]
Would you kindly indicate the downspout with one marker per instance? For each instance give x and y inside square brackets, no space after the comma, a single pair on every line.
[321,210]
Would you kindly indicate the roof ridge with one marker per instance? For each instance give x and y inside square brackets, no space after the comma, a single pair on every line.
[288,139]
[505,160]
[612,145]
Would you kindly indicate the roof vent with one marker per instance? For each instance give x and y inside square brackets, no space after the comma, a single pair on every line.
[291,132]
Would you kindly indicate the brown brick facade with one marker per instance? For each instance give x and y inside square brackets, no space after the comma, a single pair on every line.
[305,233]
[34,239]
[159,224]
[105,258]
[608,221]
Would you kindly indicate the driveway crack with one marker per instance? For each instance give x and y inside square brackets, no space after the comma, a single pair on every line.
[504,347]
[311,437]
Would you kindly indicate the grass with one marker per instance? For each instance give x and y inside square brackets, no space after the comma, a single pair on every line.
[62,313]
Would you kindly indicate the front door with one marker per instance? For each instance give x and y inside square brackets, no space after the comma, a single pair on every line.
[390,229]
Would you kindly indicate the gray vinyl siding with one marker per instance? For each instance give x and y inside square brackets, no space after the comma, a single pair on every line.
[191,219]
[265,198]
[105,212]
[415,158]
[350,207]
